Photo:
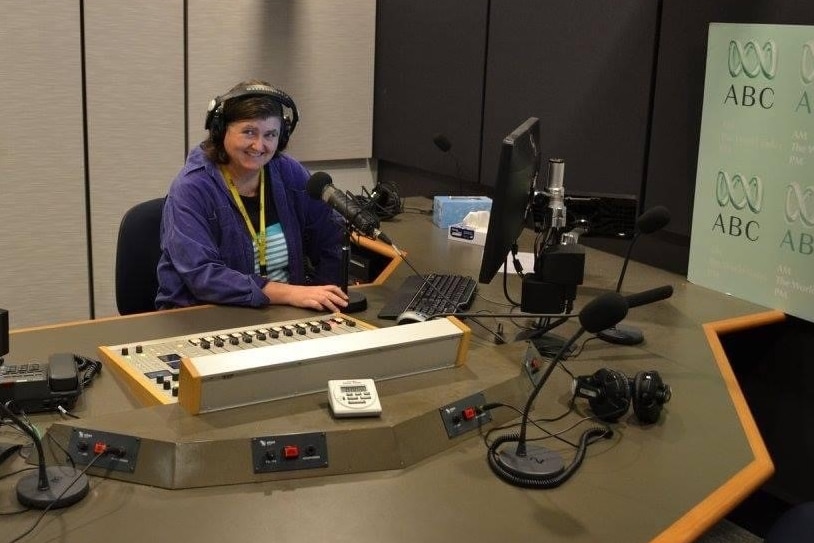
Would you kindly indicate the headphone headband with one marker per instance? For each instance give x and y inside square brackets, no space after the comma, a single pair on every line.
[214,113]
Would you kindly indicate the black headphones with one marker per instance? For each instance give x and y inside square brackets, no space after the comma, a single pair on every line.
[610,393]
[383,200]
[214,114]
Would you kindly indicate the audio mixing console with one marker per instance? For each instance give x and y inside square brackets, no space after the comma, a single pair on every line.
[239,366]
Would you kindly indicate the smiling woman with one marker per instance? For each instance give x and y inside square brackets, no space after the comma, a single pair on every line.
[238,226]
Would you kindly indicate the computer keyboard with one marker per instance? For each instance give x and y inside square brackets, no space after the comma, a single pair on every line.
[452,293]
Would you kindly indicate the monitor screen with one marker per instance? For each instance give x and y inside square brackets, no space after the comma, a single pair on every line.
[517,172]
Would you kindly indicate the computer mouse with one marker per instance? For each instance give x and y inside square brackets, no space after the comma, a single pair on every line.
[409,317]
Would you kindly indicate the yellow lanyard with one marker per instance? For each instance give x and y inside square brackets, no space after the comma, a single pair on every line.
[258,237]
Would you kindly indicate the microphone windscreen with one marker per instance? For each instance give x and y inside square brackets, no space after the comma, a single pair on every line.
[442,142]
[316,184]
[649,296]
[653,219]
[604,311]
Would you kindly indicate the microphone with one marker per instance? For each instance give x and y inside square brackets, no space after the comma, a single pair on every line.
[320,187]
[531,466]
[556,193]
[442,142]
[648,222]
[445,146]
[50,487]
[649,296]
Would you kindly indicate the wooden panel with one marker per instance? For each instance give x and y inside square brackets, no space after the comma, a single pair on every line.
[135,97]
[43,255]
[320,53]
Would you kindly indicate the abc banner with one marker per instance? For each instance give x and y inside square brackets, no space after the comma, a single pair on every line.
[753,217]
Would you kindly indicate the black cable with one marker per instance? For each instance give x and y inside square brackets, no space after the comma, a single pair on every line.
[48,508]
[542,481]
[16,472]
[89,367]
[68,456]
[534,423]
[506,286]
[476,321]
[578,350]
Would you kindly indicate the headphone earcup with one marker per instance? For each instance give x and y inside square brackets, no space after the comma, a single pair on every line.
[385,200]
[649,393]
[285,133]
[607,391]
[216,127]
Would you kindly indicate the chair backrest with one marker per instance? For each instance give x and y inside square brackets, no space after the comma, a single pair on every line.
[138,250]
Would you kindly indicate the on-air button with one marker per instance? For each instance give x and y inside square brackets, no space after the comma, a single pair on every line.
[290,452]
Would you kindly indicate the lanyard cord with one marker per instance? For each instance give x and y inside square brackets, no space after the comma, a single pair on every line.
[258,237]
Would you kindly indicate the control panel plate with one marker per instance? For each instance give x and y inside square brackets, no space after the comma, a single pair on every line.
[289,452]
[464,415]
[85,445]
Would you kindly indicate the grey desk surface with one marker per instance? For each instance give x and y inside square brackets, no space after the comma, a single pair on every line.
[665,482]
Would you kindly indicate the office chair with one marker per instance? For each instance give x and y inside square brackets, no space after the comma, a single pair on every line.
[794,526]
[137,252]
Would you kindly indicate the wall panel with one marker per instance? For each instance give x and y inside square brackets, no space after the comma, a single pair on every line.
[321,53]
[429,80]
[43,249]
[587,79]
[135,108]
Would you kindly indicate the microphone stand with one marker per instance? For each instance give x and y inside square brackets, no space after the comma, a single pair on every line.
[356,300]
[648,222]
[533,466]
[623,334]
[51,487]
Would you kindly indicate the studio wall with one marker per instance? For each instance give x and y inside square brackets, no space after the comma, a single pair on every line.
[43,230]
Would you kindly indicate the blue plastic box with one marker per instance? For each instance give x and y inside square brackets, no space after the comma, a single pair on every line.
[449,210]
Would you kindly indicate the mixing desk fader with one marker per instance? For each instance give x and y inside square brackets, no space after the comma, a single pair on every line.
[151,368]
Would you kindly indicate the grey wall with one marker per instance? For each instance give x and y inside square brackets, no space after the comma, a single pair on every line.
[43,251]
[150,71]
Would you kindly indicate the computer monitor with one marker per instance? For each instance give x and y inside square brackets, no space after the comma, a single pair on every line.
[513,192]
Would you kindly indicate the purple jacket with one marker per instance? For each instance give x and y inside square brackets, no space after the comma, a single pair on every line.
[206,252]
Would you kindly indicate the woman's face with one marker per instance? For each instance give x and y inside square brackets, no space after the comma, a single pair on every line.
[251,144]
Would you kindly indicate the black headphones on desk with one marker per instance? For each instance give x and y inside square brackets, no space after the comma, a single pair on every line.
[383,200]
[214,113]
[610,394]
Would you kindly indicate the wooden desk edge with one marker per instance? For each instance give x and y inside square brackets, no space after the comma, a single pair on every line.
[382,248]
[704,515]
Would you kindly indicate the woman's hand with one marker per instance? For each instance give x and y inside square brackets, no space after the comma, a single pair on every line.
[319,297]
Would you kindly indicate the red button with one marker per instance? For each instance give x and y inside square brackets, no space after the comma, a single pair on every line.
[469,413]
[291,451]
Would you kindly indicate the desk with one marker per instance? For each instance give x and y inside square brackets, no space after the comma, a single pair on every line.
[666,482]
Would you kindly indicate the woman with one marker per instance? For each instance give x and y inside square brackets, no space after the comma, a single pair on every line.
[238,227]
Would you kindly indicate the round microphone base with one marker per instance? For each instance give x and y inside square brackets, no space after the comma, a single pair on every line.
[622,335]
[356,302]
[538,462]
[67,486]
